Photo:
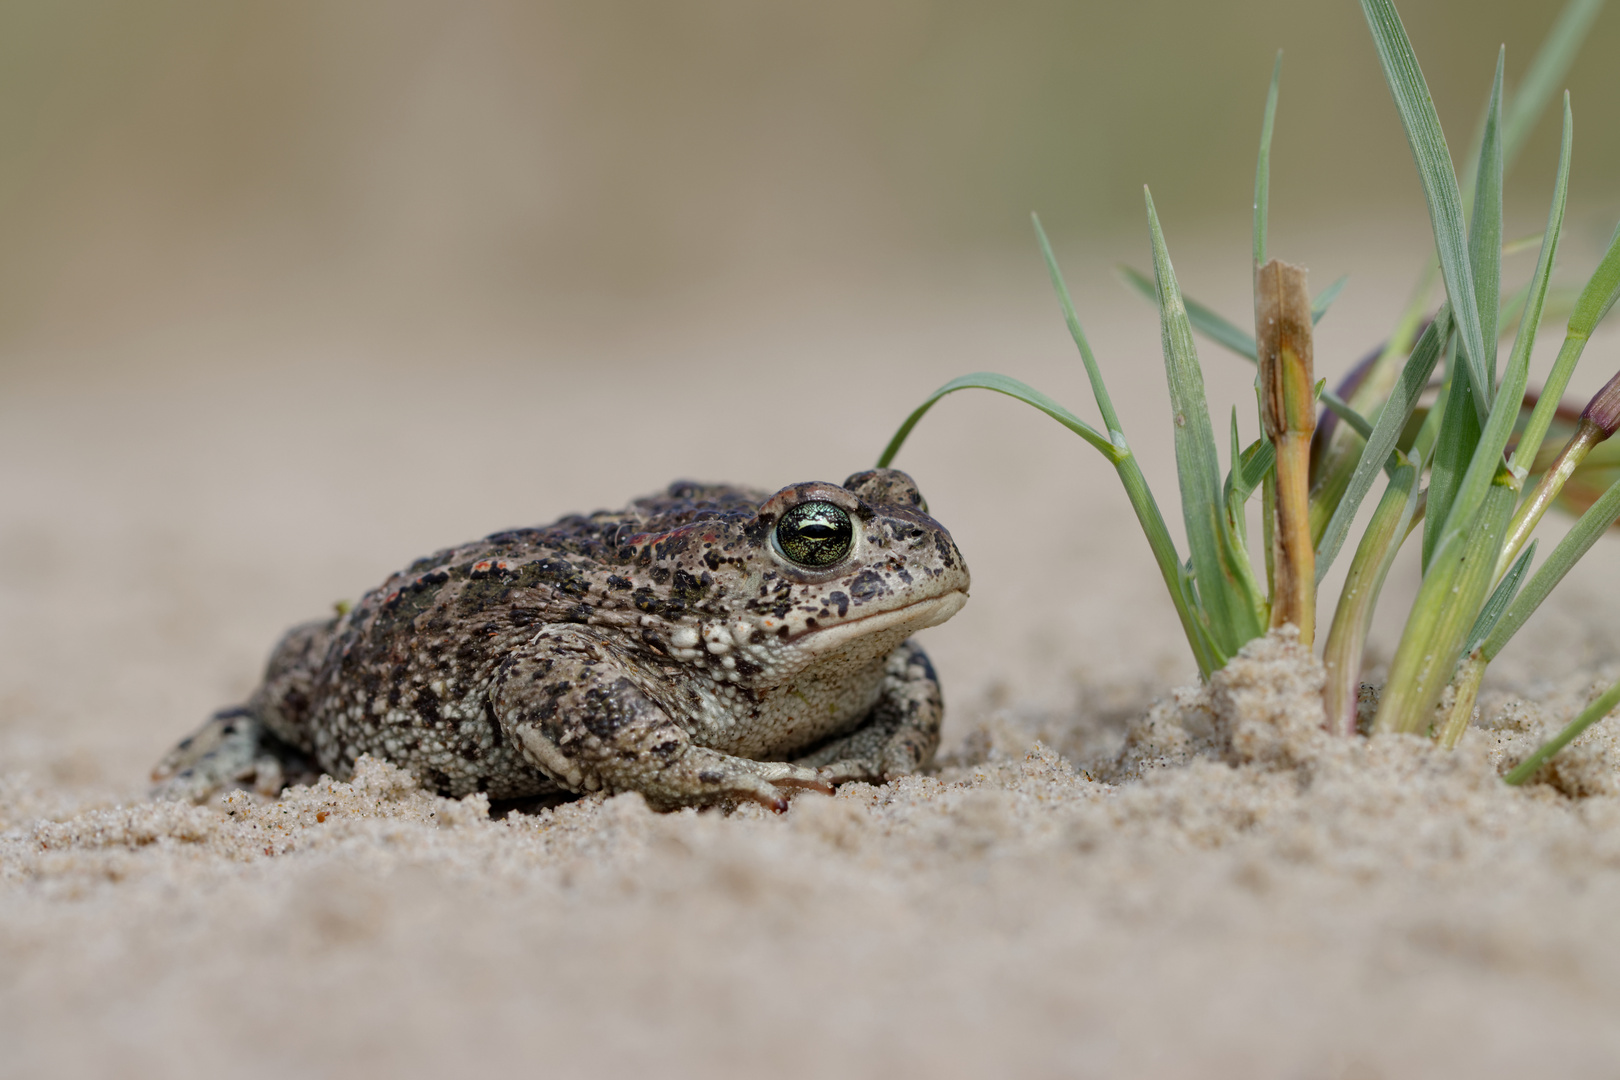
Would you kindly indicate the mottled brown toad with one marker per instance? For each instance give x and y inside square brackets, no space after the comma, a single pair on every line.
[707,645]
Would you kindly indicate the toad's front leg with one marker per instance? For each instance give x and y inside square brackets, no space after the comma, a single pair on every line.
[567,703]
[901,732]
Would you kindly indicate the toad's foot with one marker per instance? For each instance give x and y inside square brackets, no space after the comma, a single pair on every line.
[232,748]
[899,735]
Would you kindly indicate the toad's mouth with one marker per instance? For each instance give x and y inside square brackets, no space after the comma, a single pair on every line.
[911,618]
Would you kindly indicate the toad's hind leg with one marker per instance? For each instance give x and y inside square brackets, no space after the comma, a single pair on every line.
[901,732]
[264,742]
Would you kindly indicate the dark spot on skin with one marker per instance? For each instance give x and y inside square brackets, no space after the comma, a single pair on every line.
[943,546]
[756,636]
[900,572]
[710,776]
[618,583]
[493,722]
[839,600]
[812,623]
[609,709]
[867,585]
[426,704]
[660,575]
[673,545]
[711,559]
[746,667]
[548,707]
[782,632]
[687,588]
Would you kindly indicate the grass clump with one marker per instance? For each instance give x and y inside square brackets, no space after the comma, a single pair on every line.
[1457,466]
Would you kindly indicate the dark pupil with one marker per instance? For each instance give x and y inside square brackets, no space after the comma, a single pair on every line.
[815,534]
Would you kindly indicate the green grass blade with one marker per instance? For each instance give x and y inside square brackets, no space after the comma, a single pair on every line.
[1194,621]
[1099,390]
[1236,519]
[1381,443]
[1545,76]
[1325,298]
[1576,543]
[1001,384]
[1341,408]
[1375,553]
[1595,301]
[1454,450]
[1493,440]
[1506,590]
[1205,320]
[1485,227]
[1180,587]
[1262,168]
[1433,158]
[1221,571]
[1254,465]
[1590,715]
[1454,589]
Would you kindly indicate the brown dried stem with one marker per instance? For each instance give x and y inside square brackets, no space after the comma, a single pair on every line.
[1282,326]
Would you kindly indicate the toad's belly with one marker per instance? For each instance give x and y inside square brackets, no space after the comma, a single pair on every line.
[781,722]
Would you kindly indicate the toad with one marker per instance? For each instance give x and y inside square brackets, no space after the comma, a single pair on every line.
[705,646]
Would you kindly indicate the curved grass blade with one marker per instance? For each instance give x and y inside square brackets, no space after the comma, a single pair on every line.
[1208,656]
[1433,158]
[1002,384]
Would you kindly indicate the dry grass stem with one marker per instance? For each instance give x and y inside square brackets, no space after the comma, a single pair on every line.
[1282,326]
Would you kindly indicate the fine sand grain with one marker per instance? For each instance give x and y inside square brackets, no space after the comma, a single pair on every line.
[1106,876]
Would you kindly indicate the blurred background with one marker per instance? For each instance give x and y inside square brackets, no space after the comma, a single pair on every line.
[293,292]
[442,166]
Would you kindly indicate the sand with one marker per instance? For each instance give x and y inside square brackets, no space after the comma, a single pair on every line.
[1113,872]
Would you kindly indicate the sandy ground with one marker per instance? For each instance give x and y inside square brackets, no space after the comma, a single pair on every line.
[1107,876]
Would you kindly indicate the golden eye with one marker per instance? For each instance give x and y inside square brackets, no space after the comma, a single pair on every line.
[814,534]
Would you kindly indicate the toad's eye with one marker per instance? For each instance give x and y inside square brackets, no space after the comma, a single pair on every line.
[814,534]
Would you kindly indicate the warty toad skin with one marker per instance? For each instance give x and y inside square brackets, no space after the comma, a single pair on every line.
[707,645]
